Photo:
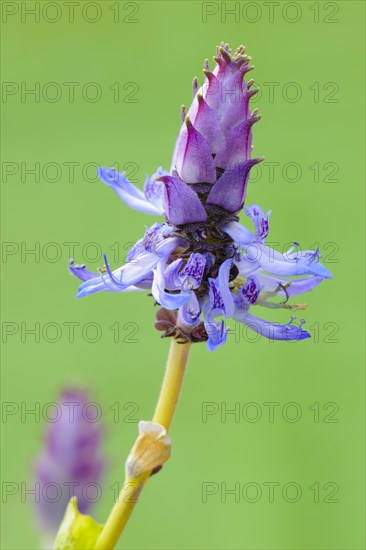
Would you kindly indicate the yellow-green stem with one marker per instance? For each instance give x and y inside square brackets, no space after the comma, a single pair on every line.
[164,412]
[172,384]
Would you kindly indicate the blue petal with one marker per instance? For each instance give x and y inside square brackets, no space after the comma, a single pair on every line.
[300,286]
[171,275]
[239,233]
[217,334]
[246,265]
[154,189]
[260,221]
[152,237]
[273,331]
[166,299]
[242,235]
[285,265]
[102,283]
[223,283]
[249,292]
[135,250]
[192,273]
[123,277]
[81,272]
[189,313]
[286,287]
[216,303]
[164,248]
[220,300]
[128,192]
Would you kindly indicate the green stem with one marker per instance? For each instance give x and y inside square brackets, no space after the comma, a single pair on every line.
[164,412]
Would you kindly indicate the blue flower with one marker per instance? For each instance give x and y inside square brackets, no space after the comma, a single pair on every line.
[149,201]
[201,265]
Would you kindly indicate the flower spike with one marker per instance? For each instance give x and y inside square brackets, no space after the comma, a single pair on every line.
[202,263]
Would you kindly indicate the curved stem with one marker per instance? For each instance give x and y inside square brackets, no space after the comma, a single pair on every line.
[164,412]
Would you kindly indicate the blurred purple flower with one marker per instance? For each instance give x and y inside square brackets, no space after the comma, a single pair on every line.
[201,263]
[70,463]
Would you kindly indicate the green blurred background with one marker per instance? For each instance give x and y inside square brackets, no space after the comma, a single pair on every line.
[310,55]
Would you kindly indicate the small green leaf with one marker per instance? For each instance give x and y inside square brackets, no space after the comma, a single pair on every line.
[77,531]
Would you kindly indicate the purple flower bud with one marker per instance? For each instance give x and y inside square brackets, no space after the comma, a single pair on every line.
[237,146]
[70,461]
[226,94]
[216,135]
[192,158]
[231,103]
[206,122]
[181,203]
